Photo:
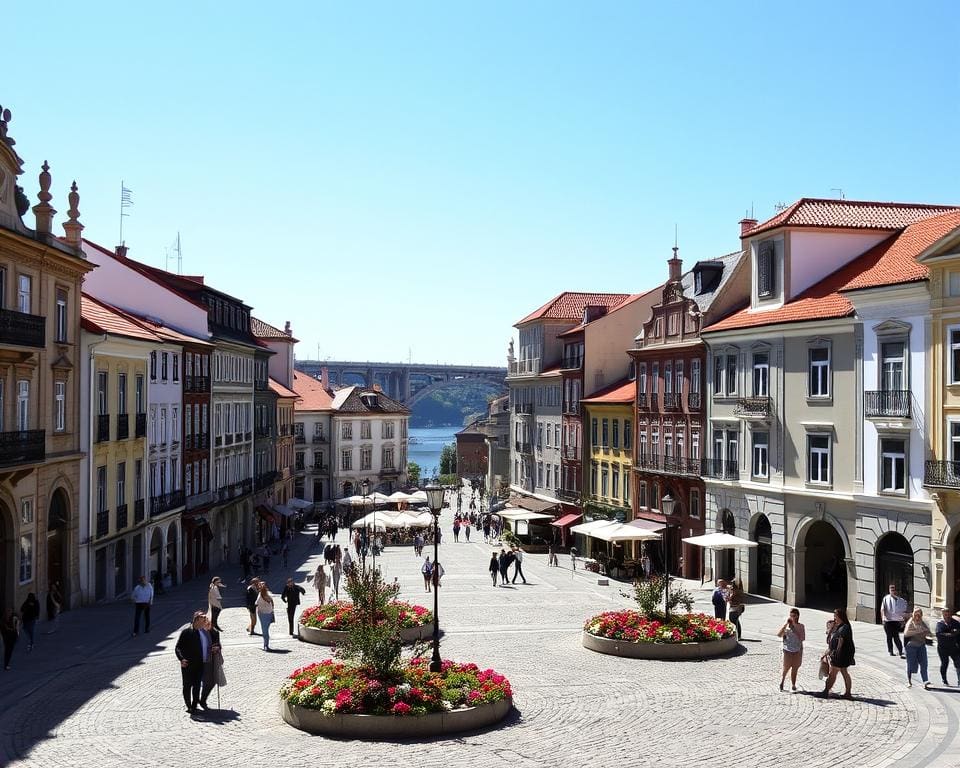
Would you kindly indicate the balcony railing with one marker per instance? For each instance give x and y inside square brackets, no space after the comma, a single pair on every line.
[103,428]
[892,402]
[103,523]
[571,452]
[669,465]
[571,363]
[165,502]
[694,401]
[22,447]
[523,447]
[318,439]
[942,474]
[643,401]
[196,384]
[530,367]
[720,469]
[123,426]
[197,500]
[753,407]
[299,439]
[299,467]
[571,409]
[138,511]
[247,437]
[141,426]
[671,401]
[319,466]
[121,517]
[22,329]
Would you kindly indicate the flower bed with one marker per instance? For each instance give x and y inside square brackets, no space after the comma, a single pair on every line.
[329,624]
[322,697]
[686,635]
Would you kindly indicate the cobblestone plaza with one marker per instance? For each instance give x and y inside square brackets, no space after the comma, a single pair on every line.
[90,694]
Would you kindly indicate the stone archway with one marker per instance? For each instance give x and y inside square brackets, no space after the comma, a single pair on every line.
[58,534]
[172,554]
[761,575]
[824,567]
[893,565]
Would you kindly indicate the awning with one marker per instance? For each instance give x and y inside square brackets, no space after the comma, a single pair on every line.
[280,509]
[647,525]
[719,540]
[523,515]
[299,504]
[534,505]
[621,532]
[587,529]
[266,514]
[566,520]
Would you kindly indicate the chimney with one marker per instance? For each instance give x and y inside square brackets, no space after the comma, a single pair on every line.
[325,377]
[675,264]
[286,329]
[746,225]
[377,387]
[121,251]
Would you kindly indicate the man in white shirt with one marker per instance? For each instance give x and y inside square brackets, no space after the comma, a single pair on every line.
[892,610]
[142,600]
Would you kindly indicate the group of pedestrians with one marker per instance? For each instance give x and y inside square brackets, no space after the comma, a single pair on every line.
[500,566]
[432,573]
[917,635]
[728,602]
[12,622]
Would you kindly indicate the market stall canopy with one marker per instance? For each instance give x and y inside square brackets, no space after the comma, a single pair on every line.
[409,520]
[355,501]
[511,513]
[379,498]
[647,525]
[621,532]
[419,496]
[299,504]
[566,520]
[280,509]
[587,529]
[398,497]
[719,540]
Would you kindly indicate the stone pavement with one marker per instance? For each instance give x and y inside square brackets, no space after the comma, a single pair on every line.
[92,695]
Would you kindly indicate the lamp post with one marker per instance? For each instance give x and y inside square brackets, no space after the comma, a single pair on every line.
[666,506]
[364,490]
[435,501]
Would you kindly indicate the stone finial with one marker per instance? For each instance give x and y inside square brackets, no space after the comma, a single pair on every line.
[72,226]
[5,118]
[43,210]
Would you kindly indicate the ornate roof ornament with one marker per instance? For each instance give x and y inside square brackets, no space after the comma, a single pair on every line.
[43,210]
[72,225]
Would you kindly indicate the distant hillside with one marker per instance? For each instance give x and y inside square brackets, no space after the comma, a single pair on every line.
[455,405]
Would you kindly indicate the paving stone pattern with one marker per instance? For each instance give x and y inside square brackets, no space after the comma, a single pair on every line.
[90,695]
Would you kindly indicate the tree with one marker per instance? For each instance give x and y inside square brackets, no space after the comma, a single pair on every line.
[413,473]
[448,460]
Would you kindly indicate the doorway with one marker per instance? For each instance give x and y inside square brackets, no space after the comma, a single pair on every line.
[58,519]
[727,558]
[763,577]
[119,568]
[824,569]
[894,565]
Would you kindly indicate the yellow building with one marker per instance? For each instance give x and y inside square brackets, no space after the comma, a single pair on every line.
[942,470]
[608,442]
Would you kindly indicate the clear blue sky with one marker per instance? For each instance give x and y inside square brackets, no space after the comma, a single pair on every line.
[393,176]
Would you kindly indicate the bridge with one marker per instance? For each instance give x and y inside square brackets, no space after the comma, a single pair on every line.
[407,382]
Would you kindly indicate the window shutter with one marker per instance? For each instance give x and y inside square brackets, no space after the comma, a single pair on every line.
[765,269]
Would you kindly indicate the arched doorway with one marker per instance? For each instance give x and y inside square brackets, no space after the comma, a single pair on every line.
[58,521]
[824,570]
[727,558]
[170,567]
[156,559]
[894,565]
[763,575]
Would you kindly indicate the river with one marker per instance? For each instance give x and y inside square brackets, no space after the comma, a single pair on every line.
[425,447]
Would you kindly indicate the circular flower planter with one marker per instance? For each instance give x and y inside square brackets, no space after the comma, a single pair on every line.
[379,727]
[335,637]
[634,635]
[329,624]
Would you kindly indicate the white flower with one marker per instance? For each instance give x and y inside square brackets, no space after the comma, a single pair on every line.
[446,705]
[403,689]
[329,707]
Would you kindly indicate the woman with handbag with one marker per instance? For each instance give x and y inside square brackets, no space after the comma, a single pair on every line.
[265,613]
[736,606]
[842,651]
[915,635]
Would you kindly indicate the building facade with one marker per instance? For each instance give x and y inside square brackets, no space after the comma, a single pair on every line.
[311,434]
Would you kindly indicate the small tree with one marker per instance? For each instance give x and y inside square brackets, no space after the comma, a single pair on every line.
[649,597]
[413,473]
[448,460]
[374,640]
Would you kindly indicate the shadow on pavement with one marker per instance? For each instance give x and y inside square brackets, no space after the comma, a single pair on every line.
[216,716]
[855,698]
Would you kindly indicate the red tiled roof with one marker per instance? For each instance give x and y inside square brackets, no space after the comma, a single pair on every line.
[99,317]
[264,330]
[890,262]
[281,390]
[624,391]
[852,214]
[625,303]
[313,397]
[570,305]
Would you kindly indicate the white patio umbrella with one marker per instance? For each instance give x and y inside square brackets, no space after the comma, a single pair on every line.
[398,497]
[624,533]
[587,529]
[717,541]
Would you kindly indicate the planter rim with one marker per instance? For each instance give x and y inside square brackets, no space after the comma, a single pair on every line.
[319,636]
[659,651]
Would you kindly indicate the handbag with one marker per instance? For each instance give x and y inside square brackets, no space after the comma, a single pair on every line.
[272,619]
[824,671]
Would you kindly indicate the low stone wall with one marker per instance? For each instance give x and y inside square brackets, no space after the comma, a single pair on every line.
[335,637]
[663,651]
[385,727]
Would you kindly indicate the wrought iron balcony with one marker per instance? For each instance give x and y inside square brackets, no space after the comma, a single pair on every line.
[529,367]
[22,329]
[247,437]
[319,466]
[199,499]
[165,502]
[318,439]
[196,384]
[643,401]
[571,452]
[941,474]
[720,469]
[22,447]
[300,439]
[891,402]
[671,401]
[141,426]
[694,401]
[753,407]
[121,517]
[123,426]
[571,409]
[103,523]
[103,428]
[138,511]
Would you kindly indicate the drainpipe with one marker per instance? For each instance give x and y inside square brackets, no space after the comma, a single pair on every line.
[91,529]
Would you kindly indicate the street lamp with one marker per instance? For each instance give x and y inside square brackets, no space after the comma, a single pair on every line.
[435,502]
[364,490]
[666,506]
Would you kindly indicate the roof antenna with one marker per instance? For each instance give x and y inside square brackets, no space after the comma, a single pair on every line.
[838,189]
[175,247]
[126,201]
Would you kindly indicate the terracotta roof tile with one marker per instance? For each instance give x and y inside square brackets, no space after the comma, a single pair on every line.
[264,330]
[281,390]
[856,214]
[313,396]
[100,317]
[624,391]
[570,305]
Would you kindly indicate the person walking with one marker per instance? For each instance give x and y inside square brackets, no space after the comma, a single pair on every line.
[252,593]
[736,609]
[456,531]
[216,602]
[494,567]
[418,545]
[466,530]
[893,610]
[291,596]
[53,607]
[142,600]
[552,555]
[190,651]
[320,582]
[284,553]
[336,571]
[347,560]
[30,615]
[427,571]
[10,632]
[436,574]
[504,564]
[518,565]
[212,661]
[265,613]
[793,634]
[948,643]
[719,600]
[915,633]
[646,565]
[842,653]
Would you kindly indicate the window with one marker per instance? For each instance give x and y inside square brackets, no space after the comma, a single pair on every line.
[627,434]
[163,426]
[626,488]
[139,393]
[138,479]
[346,430]
[679,442]
[654,378]
[387,457]
[163,366]
[642,448]
[101,489]
[176,367]
[818,458]
[642,379]
[820,372]
[695,376]
[122,394]
[61,316]
[668,378]
[23,405]
[26,558]
[549,473]
[655,442]
[539,435]
[695,502]
[955,441]
[556,434]
[549,433]
[725,375]
[593,433]
[668,444]
[761,374]
[365,430]
[893,465]
[26,511]
[955,355]
[892,361]
[59,406]
[604,479]
[694,444]
[731,383]
[540,473]
[24,291]
[103,408]
[366,458]
[765,269]
[593,479]
[616,433]
[678,372]
[642,493]
[121,483]
[761,442]
[615,487]
[605,433]
[654,496]
[153,366]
